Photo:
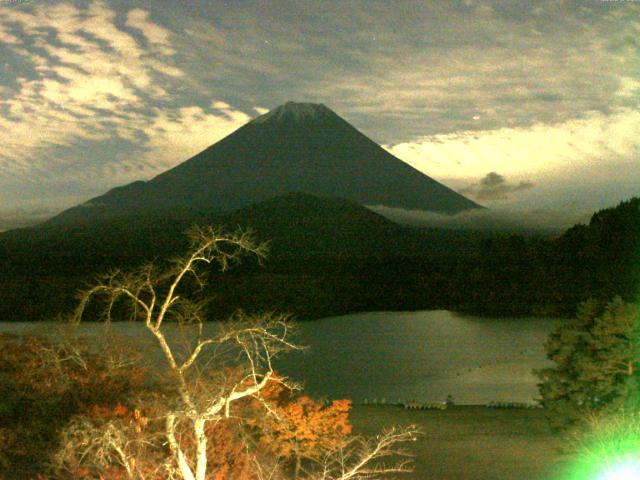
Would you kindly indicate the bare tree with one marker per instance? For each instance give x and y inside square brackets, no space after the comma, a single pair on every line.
[206,392]
[359,458]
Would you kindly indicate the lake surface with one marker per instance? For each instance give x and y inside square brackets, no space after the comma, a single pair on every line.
[391,356]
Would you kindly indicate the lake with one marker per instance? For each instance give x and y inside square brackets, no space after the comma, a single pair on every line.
[408,356]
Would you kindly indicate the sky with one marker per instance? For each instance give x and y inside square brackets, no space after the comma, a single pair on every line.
[528,107]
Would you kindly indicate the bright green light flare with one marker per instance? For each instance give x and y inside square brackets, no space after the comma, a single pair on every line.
[624,470]
[618,458]
[618,461]
[613,450]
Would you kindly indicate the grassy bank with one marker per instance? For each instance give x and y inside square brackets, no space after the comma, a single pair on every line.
[472,442]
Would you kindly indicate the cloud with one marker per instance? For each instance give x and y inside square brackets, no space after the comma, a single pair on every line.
[480,69]
[87,74]
[540,150]
[629,88]
[101,88]
[156,35]
[94,107]
[24,216]
[501,219]
[494,187]
[174,136]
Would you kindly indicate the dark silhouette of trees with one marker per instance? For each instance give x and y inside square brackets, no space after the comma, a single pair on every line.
[331,257]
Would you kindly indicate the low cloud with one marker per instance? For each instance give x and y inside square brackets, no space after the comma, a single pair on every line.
[495,187]
[504,220]
[24,217]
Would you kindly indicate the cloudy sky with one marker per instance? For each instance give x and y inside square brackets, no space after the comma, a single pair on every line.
[521,105]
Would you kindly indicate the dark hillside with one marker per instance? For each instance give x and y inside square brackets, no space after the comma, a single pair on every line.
[327,255]
[601,259]
[332,256]
[552,276]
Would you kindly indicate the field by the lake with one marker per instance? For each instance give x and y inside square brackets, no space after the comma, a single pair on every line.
[472,442]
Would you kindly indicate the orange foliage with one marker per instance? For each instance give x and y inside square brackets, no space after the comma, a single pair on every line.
[43,385]
[297,428]
[300,426]
[50,394]
[227,453]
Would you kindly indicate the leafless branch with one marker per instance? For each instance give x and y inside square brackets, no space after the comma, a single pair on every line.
[205,391]
[360,458]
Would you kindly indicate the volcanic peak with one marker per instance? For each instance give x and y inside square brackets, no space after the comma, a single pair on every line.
[297,147]
[295,112]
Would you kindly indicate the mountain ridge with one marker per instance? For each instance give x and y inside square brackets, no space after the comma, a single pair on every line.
[331,256]
[294,224]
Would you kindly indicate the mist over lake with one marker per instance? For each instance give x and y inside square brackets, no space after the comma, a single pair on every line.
[421,356]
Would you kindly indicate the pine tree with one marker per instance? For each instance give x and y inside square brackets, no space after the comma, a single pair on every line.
[596,358]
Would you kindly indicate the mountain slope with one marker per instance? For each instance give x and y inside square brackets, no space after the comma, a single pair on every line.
[299,224]
[297,147]
[295,224]
[601,259]
[321,249]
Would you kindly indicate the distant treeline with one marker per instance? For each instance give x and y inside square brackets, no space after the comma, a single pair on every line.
[331,257]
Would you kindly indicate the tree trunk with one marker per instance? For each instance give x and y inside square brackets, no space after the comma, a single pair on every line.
[298,465]
[183,465]
[201,448]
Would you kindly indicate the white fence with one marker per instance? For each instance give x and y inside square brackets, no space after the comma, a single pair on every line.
[415,405]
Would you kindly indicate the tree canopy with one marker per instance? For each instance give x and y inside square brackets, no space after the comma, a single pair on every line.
[597,360]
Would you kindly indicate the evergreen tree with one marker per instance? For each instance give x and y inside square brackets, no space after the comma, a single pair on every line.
[597,359]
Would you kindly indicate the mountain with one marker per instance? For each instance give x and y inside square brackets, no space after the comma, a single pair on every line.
[297,147]
[295,225]
[327,256]
[303,225]
[601,259]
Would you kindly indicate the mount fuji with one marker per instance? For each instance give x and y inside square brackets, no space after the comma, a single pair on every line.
[297,147]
